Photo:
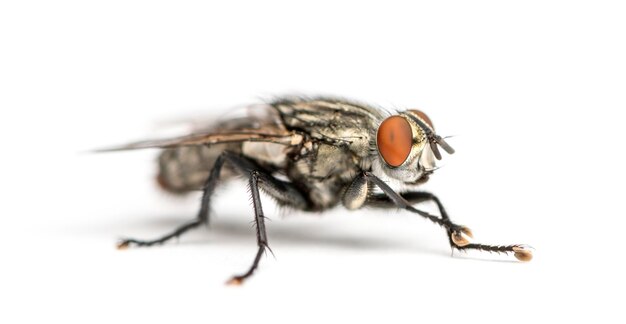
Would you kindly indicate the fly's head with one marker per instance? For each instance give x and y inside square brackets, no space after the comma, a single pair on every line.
[408,146]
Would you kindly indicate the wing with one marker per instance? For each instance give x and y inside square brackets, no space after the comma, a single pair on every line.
[285,138]
[260,123]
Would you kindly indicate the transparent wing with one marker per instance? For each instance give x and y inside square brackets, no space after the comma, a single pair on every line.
[259,123]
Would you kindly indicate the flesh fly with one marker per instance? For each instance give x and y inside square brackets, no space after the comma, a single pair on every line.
[311,154]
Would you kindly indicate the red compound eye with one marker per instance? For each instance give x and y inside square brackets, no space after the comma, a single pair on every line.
[423,117]
[394,140]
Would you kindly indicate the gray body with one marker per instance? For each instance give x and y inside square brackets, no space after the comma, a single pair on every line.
[333,141]
[310,154]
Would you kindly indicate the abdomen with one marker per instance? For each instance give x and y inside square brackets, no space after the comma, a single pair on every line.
[185,169]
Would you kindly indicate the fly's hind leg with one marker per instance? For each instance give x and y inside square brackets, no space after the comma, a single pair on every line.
[284,192]
[203,214]
[456,233]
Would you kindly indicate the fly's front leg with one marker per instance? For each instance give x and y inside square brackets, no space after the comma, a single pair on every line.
[456,233]
[412,197]
[358,195]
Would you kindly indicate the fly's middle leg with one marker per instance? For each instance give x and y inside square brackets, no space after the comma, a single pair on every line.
[284,192]
[259,222]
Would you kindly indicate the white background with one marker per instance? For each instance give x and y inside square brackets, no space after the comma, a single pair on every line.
[532,90]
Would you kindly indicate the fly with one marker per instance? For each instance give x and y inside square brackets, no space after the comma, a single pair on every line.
[311,154]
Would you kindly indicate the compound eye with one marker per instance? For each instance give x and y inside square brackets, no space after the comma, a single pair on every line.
[423,117]
[394,140]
